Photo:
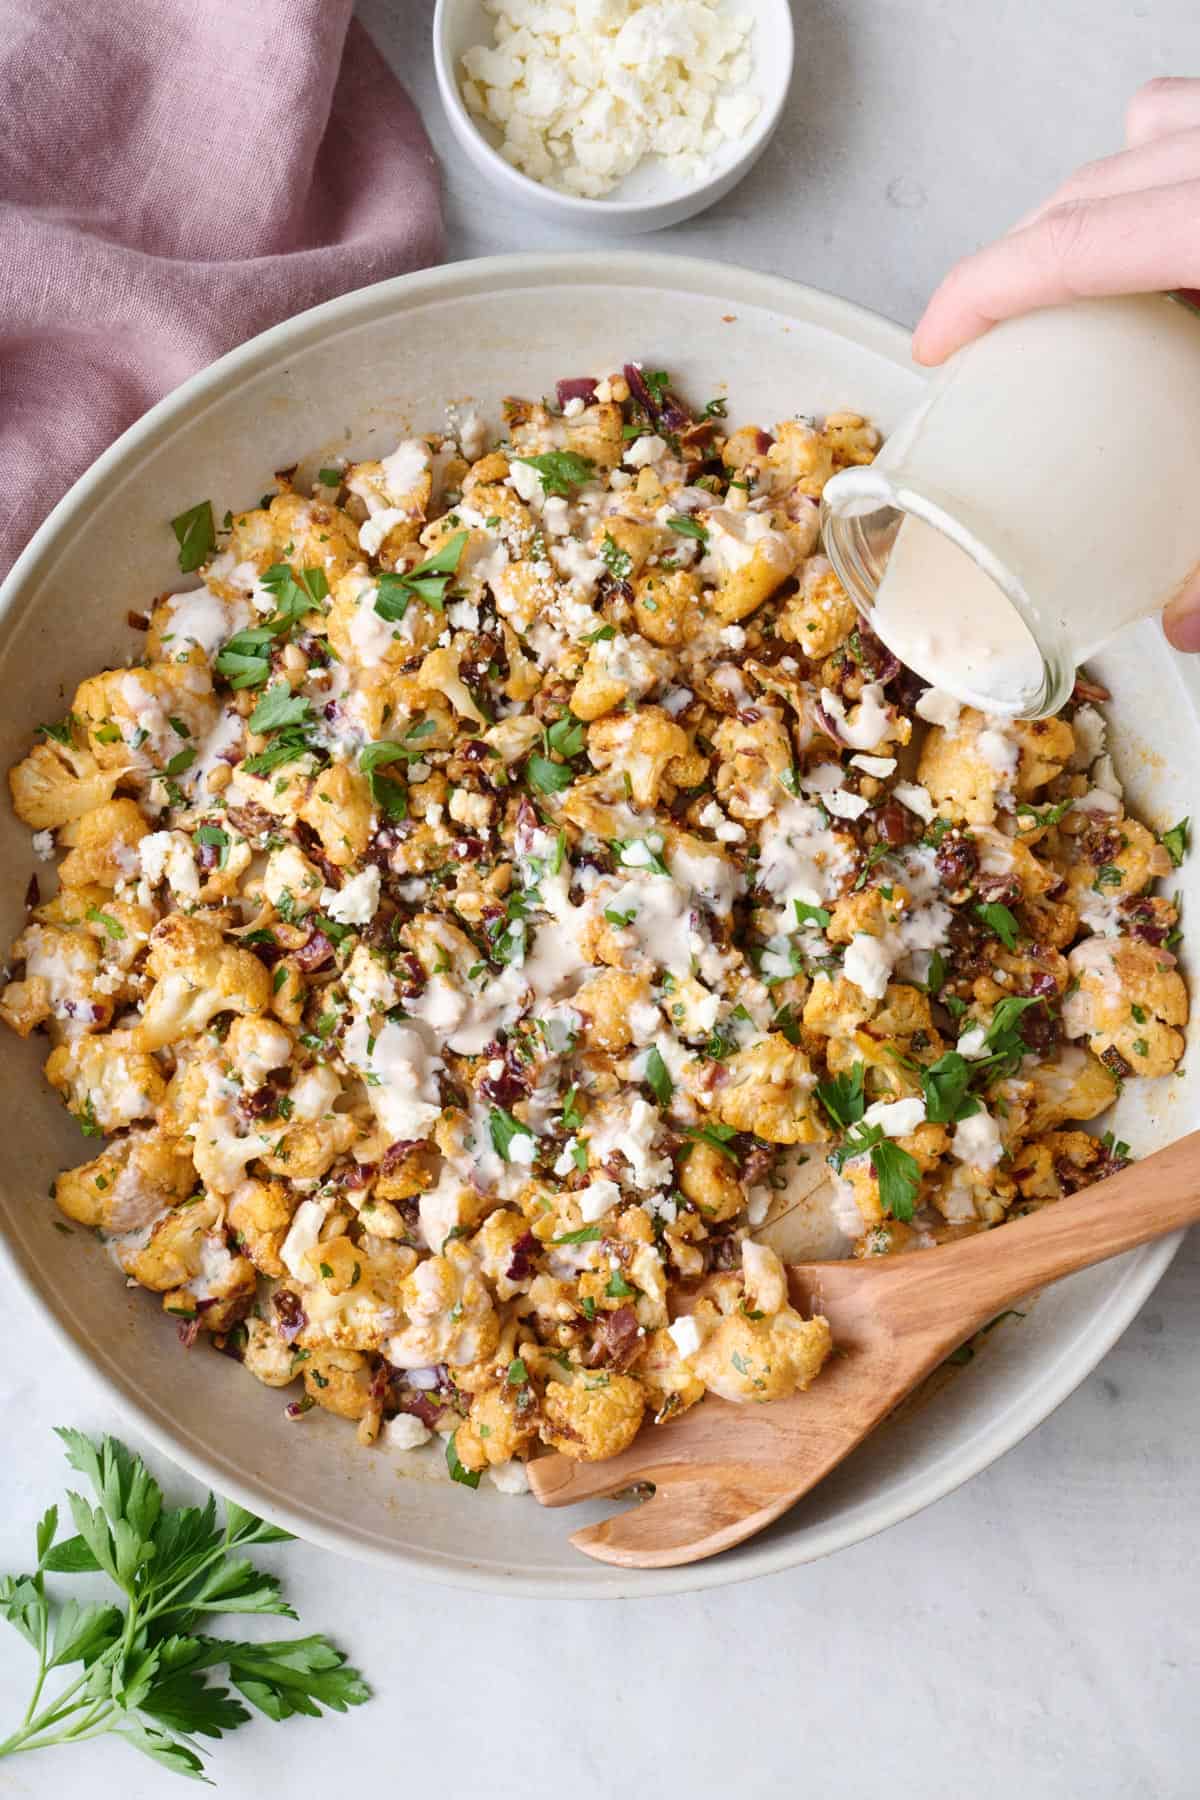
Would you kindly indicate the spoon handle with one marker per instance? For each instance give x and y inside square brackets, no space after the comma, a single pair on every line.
[973,1280]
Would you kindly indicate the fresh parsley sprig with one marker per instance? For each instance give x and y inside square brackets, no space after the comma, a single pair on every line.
[560,470]
[428,581]
[143,1663]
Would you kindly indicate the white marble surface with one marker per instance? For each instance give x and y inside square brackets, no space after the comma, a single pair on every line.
[1038,1629]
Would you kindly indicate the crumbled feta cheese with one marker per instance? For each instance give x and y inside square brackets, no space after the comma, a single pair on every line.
[845,805]
[43,846]
[597,1199]
[895,1118]
[582,90]
[977,1140]
[868,965]
[645,450]
[405,1432]
[917,799]
[356,901]
[938,708]
[684,1333]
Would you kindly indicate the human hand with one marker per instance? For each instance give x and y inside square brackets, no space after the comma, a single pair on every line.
[1128,224]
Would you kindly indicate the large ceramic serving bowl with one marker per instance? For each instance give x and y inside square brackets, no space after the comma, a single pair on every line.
[355,375]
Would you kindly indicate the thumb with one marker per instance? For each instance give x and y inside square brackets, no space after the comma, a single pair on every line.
[1181,615]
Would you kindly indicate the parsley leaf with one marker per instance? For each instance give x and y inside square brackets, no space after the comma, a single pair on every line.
[213,835]
[686,527]
[945,1085]
[636,853]
[389,795]
[560,470]
[719,1137]
[428,581]
[145,1661]
[113,928]
[843,1097]
[566,736]
[811,915]
[279,707]
[504,1128]
[657,1077]
[546,777]
[1034,817]
[196,535]
[618,562]
[467,1477]
[899,1178]
[1175,841]
[1000,922]
[245,660]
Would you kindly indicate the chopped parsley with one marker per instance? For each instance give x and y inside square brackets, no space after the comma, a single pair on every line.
[686,527]
[428,581]
[618,562]
[1175,841]
[113,927]
[196,534]
[842,1096]
[278,708]
[467,1477]
[547,777]
[504,1128]
[560,470]
[1000,922]
[658,1078]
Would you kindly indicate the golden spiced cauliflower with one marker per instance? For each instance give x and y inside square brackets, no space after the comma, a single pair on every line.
[501,883]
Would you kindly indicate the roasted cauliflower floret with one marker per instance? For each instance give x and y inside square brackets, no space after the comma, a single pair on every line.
[450,1314]
[56,783]
[104,846]
[753,754]
[668,605]
[267,1357]
[260,1213]
[593,1415]
[1130,1004]
[500,1425]
[340,811]
[128,714]
[821,614]
[643,745]
[340,1381]
[767,1089]
[708,1178]
[619,668]
[197,975]
[130,1184]
[769,1358]
[105,1080]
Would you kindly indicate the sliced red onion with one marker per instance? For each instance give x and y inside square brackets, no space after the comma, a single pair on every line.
[521,1268]
[576,387]
[315,952]
[290,1316]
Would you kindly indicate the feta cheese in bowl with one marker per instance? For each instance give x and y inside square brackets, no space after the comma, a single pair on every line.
[628,115]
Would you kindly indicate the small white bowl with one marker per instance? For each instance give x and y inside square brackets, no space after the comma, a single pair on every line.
[652,195]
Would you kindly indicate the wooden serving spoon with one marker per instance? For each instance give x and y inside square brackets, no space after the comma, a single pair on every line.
[721,1472]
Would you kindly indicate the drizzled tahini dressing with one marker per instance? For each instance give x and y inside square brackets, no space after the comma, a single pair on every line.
[943,616]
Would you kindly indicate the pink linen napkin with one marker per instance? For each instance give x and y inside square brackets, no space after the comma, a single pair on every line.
[176,175]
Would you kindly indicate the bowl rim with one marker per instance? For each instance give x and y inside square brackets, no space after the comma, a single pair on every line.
[579,206]
[1139,1271]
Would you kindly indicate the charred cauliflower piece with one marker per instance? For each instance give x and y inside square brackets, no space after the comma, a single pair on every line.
[1130,1004]
[196,976]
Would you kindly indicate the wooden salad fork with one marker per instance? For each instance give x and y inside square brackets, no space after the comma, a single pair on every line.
[721,1472]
